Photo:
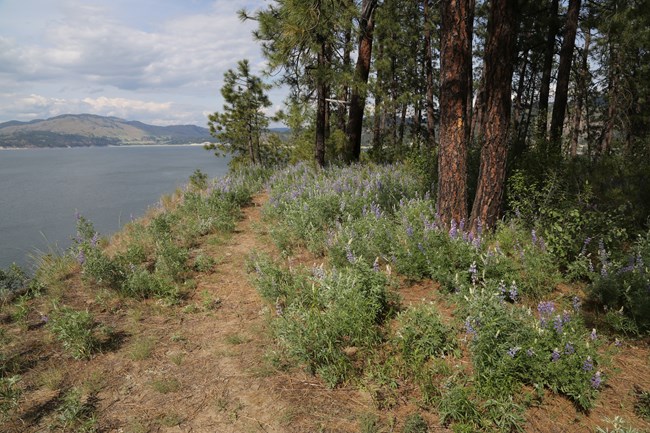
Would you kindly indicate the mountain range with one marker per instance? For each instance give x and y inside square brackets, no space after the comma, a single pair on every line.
[74,130]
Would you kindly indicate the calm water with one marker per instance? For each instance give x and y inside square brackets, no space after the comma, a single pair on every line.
[40,189]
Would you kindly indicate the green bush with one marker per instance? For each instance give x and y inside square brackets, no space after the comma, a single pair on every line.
[75,330]
[12,279]
[421,335]
[10,394]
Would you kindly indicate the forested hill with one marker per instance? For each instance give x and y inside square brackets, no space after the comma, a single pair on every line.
[91,130]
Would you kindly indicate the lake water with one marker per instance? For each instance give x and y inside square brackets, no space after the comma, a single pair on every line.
[40,190]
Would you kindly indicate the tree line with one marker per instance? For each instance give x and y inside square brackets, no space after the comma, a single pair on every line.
[475,87]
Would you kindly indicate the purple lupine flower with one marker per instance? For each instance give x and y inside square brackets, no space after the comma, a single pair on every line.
[81,257]
[555,356]
[530,352]
[469,329]
[617,343]
[583,251]
[453,231]
[533,236]
[591,266]
[596,380]
[350,255]
[513,292]
[318,272]
[576,303]
[473,272]
[502,290]
[566,317]
[409,231]
[545,309]
[542,244]
[476,243]
[462,225]
[421,248]
[593,336]
[558,324]
[588,365]
[479,227]
[94,240]
[569,349]
[513,351]
[375,265]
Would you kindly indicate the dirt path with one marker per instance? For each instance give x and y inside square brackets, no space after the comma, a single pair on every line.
[209,370]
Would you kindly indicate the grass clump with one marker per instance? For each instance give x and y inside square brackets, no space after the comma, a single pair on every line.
[10,394]
[75,330]
[76,415]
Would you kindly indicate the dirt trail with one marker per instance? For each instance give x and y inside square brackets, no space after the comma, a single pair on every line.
[214,362]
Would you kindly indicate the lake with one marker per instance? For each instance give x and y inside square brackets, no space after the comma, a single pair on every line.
[40,190]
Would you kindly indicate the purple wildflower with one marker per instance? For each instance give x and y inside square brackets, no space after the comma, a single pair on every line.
[569,349]
[591,266]
[94,240]
[462,225]
[513,351]
[545,309]
[473,272]
[409,231]
[576,303]
[44,319]
[596,380]
[617,343]
[588,365]
[555,356]
[530,352]
[279,309]
[533,235]
[502,290]
[566,317]
[479,227]
[81,257]
[558,324]
[469,329]
[593,336]
[453,231]
[375,265]
[513,293]
[350,255]
[583,251]
[318,272]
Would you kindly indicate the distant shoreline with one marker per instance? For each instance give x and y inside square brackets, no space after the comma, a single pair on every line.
[110,145]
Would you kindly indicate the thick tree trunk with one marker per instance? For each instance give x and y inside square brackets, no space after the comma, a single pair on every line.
[563,76]
[452,158]
[498,72]
[476,130]
[377,131]
[342,109]
[362,70]
[428,68]
[545,85]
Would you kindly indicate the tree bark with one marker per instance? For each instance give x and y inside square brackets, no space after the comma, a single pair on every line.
[455,67]
[498,72]
[428,67]
[362,70]
[545,85]
[563,76]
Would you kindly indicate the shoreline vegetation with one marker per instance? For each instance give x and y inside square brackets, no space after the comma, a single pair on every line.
[336,300]
[110,145]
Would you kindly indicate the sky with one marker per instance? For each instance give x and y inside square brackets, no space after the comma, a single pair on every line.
[156,61]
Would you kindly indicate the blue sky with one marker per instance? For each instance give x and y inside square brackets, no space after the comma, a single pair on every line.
[157,61]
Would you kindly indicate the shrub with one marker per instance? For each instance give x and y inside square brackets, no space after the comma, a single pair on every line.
[12,279]
[75,415]
[75,330]
[10,394]
[511,347]
[421,335]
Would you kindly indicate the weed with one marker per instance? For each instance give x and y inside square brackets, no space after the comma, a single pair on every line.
[642,403]
[142,348]
[369,423]
[166,386]
[75,330]
[177,358]
[414,423]
[75,415]
[10,394]
[619,425]
[203,263]
[21,310]
[172,420]
[52,378]
[234,339]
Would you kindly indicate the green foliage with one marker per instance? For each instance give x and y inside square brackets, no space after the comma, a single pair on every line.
[510,348]
[414,423]
[624,291]
[10,394]
[75,330]
[458,405]
[241,126]
[421,336]
[12,279]
[75,415]
[199,180]
[335,314]
[642,403]
[619,425]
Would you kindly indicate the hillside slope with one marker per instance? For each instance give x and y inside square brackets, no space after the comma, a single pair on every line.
[72,130]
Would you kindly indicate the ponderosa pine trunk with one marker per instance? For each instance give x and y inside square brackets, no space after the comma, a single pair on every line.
[563,76]
[581,95]
[498,73]
[361,73]
[455,67]
[321,109]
